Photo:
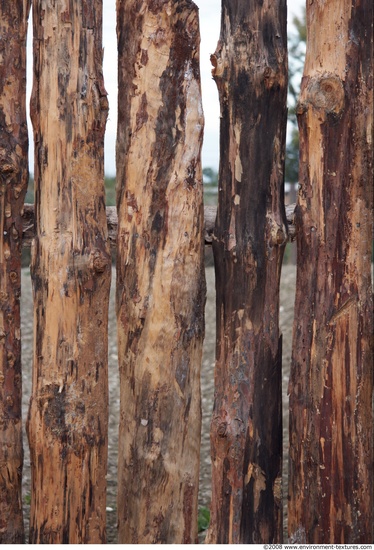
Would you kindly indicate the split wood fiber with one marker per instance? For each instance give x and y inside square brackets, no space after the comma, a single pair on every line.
[160,270]
[331,438]
[13,186]
[250,69]
[71,271]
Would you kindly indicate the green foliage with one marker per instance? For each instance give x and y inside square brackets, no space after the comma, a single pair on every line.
[210,181]
[292,157]
[203,519]
[27,499]
[296,59]
[29,199]
[110,191]
[210,177]
[296,51]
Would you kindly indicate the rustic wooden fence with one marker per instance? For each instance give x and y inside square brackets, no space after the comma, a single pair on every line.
[159,234]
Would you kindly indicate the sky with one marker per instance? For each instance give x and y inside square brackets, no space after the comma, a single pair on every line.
[209,12]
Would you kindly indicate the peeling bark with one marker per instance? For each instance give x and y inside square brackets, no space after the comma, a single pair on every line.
[331,440]
[13,186]
[71,269]
[250,69]
[160,275]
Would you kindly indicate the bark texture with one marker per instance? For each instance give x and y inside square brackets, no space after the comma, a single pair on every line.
[160,277]
[331,440]
[250,69]
[71,267]
[13,186]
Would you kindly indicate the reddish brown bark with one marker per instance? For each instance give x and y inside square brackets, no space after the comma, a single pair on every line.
[160,277]
[13,185]
[331,439]
[71,268]
[250,68]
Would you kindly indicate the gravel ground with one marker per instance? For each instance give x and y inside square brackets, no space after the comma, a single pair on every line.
[286,316]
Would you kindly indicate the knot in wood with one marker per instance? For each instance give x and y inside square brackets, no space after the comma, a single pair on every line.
[278,233]
[222,429]
[267,72]
[13,276]
[8,168]
[10,401]
[218,64]
[14,233]
[99,261]
[327,93]
[11,359]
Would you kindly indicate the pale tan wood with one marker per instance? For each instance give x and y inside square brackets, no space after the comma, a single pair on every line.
[71,270]
[160,270]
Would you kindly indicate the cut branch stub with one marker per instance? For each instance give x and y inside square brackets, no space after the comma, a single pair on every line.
[324,93]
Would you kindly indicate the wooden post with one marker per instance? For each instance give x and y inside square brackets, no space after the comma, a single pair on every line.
[13,185]
[250,69]
[160,276]
[71,270]
[331,438]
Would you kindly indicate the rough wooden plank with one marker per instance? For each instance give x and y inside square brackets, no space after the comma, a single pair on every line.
[160,275]
[250,69]
[71,270]
[331,438]
[13,185]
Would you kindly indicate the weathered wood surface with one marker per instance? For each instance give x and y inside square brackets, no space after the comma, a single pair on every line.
[160,276]
[13,186]
[331,438]
[71,270]
[210,213]
[250,69]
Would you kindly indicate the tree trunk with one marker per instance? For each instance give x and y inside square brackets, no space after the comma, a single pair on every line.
[331,445]
[71,268]
[250,69]
[160,277]
[13,185]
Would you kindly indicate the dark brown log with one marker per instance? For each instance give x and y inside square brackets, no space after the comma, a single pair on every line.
[331,438]
[13,186]
[160,270]
[71,270]
[250,69]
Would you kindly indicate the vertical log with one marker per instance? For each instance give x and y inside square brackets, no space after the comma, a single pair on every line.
[71,268]
[13,185]
[160,277]
[250,69]
[331,452]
